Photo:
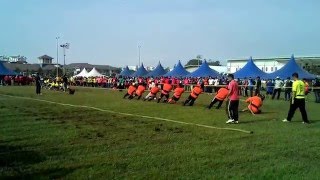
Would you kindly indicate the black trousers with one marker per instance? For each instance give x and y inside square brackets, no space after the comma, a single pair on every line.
[189,100]
[127,94]
[257,92]
[251,91]
[301,104]
[275,91]
[233,109]
[161,96]
[287,95]
[214,101]
[38,88]
[317,95]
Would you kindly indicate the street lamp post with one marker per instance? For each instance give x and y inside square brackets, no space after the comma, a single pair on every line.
[139,47]
[57,38]
[64,46]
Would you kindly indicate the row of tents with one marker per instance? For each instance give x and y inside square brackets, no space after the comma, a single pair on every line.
[249,70]
[178,71]
[93,73]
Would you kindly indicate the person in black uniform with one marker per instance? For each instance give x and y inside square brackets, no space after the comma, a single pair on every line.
[38,84]
[65,83]
[258,86]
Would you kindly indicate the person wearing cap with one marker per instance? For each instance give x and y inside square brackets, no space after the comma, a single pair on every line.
[298,100]
[196,91]
[258,86]
[278,83]
[233,102]
[219,97]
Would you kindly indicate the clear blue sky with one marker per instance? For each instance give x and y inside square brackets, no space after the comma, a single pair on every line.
[109,31]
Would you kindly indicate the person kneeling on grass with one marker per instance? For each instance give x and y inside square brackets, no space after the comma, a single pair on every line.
[140,90]
[255,103]
[132,88]
[153,93]
[196,91]
[219,97]
[178,91]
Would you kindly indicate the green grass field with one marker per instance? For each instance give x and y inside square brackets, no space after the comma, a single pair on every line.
[43,140]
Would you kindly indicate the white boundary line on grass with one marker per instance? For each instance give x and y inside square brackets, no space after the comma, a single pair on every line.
[128,114]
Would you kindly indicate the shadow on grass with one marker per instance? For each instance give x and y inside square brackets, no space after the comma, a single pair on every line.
[15,156]
[14,160]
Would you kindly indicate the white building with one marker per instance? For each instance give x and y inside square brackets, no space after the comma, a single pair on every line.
[13,59]
[219,69]
[270,65]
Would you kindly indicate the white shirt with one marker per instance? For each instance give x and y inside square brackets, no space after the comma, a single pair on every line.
[216,82]
[278,84]
[211,81]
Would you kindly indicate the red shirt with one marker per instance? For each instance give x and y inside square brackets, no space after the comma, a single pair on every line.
[233,87]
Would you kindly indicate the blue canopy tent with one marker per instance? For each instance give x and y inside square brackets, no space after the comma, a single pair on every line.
[140,72]
[5,71]
[290,68]
[178,71]
[158,71]
[126,72]
[204,71]
[250,70]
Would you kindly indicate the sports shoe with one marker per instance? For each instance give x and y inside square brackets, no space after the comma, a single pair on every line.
[285,120]
[230,121]
[236,122]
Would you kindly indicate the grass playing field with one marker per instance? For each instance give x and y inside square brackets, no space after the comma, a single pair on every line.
[39,139]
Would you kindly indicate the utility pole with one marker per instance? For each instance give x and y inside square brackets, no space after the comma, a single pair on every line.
[64,46]
[57,38]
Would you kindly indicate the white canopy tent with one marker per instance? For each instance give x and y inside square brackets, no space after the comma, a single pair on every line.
[94,73]
[83,73]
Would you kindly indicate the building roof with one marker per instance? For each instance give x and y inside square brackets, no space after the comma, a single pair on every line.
[311,58]
[45,57]
[89,66]
[22,67]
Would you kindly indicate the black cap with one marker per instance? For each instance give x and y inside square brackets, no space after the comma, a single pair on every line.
[231,76]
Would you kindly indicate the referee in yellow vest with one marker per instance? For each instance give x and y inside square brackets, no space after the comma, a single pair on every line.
[298,100]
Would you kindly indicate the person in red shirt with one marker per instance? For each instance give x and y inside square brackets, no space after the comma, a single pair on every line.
[153,92]
[196,91]
[140,90]
[131,90]
[177,94]
[233,102]
[167,87]
[255,103]
[219,97]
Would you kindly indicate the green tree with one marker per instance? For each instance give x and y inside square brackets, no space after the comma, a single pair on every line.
[214,63]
